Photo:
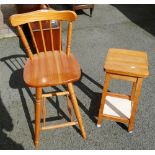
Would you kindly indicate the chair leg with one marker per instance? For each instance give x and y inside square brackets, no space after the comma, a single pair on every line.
[44,110]
[37,115]
[135,104]
[69,105]
[104,93]
[76,109]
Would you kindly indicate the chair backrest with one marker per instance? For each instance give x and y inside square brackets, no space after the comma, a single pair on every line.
[42,17]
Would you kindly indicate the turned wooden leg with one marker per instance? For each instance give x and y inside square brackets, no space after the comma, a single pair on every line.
[37,115]
[135,104]
[69,107]
[44,111]
[104,93]
[76,109]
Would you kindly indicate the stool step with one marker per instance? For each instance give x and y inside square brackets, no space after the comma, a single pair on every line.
[117,107]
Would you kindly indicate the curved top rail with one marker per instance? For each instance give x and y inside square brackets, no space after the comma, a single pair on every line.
[39,15]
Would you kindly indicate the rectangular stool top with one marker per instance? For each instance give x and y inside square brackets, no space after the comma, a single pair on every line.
[127,62]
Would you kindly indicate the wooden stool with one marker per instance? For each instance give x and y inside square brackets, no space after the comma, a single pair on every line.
[127,65]
[50,68]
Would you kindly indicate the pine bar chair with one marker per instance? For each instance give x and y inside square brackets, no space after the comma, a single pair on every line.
[50,68]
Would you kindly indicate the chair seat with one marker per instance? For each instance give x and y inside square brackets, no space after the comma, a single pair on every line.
[51,69]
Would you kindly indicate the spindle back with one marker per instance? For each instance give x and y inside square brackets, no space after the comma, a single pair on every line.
[43,18]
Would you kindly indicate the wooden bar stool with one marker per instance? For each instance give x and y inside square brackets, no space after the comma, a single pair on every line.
[126,65]
[50,67]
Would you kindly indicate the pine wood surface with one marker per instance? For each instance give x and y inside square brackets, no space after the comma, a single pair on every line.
[127,62]
[129,65]
[40,15]
[51,69]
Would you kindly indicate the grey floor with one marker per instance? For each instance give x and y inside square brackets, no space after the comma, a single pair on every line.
[117,26]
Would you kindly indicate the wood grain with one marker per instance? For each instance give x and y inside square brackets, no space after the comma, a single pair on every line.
[104,94]
[135,104]
[49,127]
[76,109]
[39,15]
[128,65]
[115,118]
[51,69]
[51,35]
[37,115]
[127,62]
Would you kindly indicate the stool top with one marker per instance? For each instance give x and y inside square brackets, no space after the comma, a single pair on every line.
[127,62]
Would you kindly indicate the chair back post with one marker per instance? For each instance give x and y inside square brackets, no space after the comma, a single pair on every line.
[33,38]
[42,36]
[25,42]
[42,16]
[69,38]
[60,36]
[51,35]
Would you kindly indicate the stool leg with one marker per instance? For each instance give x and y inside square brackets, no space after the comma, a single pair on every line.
[135,104]
[76,109]
[133,91]
[104,93]
[37,115]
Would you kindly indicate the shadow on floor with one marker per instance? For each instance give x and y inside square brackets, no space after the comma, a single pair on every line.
[95,97]
[16,64]
[141,14]
[6,124]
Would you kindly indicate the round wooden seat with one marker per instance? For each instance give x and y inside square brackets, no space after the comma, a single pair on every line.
[51,69]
